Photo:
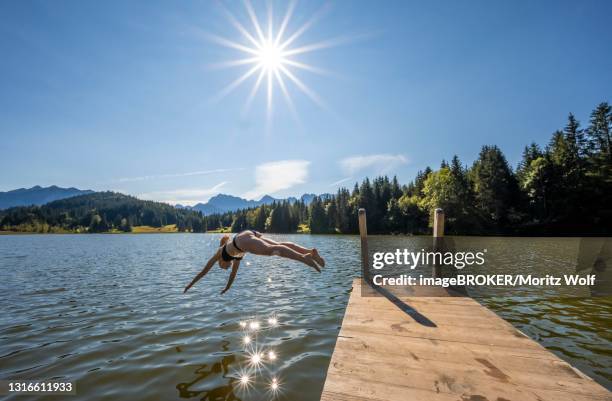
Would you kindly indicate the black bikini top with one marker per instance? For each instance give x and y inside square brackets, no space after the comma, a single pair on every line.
[226,256]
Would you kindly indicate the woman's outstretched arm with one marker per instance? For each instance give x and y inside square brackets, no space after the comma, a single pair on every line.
[211,262]
[232,276]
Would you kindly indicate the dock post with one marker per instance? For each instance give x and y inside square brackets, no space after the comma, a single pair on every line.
[363,234]
[438,225]
[438,237]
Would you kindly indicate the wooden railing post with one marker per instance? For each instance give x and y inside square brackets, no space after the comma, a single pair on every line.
[438,225]
[363,234]
[438,237]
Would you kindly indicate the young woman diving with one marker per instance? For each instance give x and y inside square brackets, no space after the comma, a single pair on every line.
[232,252]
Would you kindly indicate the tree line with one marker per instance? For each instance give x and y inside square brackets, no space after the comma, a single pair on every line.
[562,188]
[99,212]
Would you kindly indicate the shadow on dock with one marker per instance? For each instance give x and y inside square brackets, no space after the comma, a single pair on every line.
[401,305]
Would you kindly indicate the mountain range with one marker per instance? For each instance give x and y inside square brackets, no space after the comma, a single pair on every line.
[228,203]
[220,203]
[37,195]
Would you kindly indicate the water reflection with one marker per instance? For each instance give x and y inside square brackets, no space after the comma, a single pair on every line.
[595,257]
[251,373]
[258,373]
[206,377]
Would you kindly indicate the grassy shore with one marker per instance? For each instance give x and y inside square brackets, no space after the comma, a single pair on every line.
[168,229]
[224,230]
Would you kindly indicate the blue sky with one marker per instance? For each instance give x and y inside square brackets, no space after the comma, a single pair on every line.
[125,95]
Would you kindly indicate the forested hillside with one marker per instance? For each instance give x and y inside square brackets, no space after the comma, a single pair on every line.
[564,187]
[99,212]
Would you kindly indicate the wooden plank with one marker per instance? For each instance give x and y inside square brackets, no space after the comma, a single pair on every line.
[469,354]
[373,389]
[450,319]
[438,377]
[529,361]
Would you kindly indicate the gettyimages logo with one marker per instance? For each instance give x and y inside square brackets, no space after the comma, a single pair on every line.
[410,259]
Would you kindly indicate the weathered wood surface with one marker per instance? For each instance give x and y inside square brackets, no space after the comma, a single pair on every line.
[471,354]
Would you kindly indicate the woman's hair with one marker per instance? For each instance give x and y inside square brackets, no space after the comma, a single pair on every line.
[224,240]
[223,263]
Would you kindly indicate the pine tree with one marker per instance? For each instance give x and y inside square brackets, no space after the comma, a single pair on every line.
[396,189]
[530,153]
[240,222]
[260,219]
[599,135]
[419,181]
[344,217]
[394,218]
[367,200]
[318,221]
[331,212]
[574,136]
[495,187]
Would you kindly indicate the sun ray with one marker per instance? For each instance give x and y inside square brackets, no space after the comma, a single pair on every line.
[231,44]
[239,27]
[254,20]
[300,31]
[234,63]
[307,91]
[243,381]
[269,103]
[316,46]
[254,90]
[275,388]
[281,84]
[270,21]
[307,67]
[228,89]
[281,30]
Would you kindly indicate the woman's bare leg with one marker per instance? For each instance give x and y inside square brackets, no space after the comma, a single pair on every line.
[299,249]
[259,247]
[295,247]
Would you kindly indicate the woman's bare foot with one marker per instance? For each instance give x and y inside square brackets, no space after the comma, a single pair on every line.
[309,260]
[317,257]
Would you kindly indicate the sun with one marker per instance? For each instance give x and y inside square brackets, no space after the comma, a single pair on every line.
[269,55]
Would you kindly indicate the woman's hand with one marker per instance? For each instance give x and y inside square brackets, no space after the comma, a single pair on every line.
[206,269]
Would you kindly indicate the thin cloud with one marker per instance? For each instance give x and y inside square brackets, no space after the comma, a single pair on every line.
[342,181]
[378,163]
[188,174]
[184,196]
[275,176]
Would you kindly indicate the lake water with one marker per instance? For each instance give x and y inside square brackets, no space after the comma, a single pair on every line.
[108,312]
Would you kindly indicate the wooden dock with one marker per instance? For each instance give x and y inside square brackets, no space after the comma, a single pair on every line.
[438,347]
[469,354]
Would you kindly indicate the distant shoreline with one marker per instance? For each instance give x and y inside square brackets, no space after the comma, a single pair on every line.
[17,233]
[170,229]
